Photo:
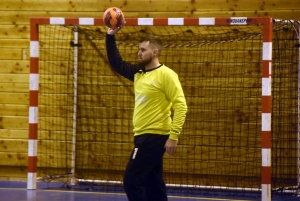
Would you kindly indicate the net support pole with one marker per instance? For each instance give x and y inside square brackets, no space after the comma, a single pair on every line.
[266,110]
[73,179]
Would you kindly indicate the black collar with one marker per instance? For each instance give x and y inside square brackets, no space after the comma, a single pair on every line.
[144,70]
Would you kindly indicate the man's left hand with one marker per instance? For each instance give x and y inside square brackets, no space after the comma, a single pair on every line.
[171,146]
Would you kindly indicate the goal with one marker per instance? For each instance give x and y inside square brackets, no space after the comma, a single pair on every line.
[80,127]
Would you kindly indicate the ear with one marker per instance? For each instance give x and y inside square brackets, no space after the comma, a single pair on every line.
[155,52]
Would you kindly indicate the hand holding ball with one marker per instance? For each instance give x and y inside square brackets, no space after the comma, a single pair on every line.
[113,17]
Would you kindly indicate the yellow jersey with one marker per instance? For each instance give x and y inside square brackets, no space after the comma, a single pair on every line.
[157,91]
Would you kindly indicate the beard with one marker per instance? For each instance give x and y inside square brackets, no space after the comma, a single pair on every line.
[145,62]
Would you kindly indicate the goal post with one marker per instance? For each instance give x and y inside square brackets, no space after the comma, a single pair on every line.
[200,74]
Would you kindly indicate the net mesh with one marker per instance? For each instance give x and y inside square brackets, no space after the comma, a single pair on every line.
[220,71]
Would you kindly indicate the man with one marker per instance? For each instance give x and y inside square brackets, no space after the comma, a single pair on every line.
[157,90]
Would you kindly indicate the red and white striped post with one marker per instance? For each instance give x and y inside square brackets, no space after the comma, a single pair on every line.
[266,110]
[33,105]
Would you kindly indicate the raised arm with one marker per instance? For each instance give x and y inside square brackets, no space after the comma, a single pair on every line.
[125,69]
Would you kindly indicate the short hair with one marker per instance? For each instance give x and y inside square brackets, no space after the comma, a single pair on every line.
[153,40]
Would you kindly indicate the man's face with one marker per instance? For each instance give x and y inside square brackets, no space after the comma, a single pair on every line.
[145,54]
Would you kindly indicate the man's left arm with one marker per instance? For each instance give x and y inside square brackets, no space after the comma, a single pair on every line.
[175,94]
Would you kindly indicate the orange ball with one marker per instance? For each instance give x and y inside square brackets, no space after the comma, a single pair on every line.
[113,17]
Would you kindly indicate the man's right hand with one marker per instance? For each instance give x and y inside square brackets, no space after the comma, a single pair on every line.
[113,31]
[116,30]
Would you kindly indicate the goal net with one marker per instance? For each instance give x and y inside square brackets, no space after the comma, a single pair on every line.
[85,109]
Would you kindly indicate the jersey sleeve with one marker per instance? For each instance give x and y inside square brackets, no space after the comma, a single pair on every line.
[175,94]
[125,69]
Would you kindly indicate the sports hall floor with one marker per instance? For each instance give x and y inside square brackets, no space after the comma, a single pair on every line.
[16,191]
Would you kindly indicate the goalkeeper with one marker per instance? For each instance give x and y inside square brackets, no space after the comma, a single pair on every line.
[157,91]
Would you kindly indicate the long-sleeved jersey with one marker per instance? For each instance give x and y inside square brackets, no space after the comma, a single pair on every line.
[156,92]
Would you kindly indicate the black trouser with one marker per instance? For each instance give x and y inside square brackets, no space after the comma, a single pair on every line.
[143,179]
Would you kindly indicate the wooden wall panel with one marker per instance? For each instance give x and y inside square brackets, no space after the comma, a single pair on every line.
[13,173]
[14,122]
[14,53]
[14,87]
[10,54]
[14,133]
[15,43]
[22,18]
[14,98]
[146,5]
[13,145]
[46,5]
[13,110]
[14,78]
[14,31]
[16,159]
[14,67]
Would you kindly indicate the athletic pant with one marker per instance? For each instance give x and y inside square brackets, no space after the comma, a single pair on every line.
[143,178]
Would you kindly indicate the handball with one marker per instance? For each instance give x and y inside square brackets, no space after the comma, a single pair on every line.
[113,17]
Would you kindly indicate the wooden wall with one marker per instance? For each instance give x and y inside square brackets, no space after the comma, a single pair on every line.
[14,51]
